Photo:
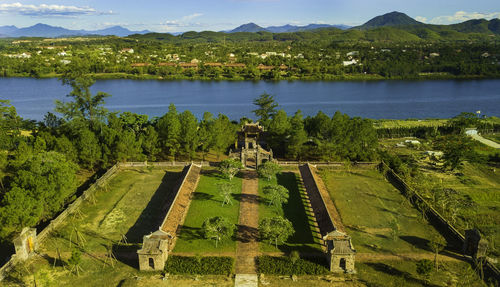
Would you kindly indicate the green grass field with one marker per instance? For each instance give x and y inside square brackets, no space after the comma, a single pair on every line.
[207,203]
[130,205]
[295,210]
[367,204]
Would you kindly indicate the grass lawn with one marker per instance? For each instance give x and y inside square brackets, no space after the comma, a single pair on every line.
[295,210]
[403,273]
[207,203]
[130,206]
[367,204]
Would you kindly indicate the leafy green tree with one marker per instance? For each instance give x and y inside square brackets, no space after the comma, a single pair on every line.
[65,146]
[169,128]
[266,108]
[10,125]
[268,169]
[189,133]
[437,244]
[224,134]
[89,150]
[456,148]
[134,122]
[217,228]
[84,105]
[230,167]
[128,147]
[50,178]
[278,132]
[278,194]
[18,209]
[276,229]
[298,136]
[226,190]
[205,135]
[149,140]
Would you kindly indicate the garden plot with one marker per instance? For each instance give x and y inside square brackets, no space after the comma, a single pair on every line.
[206,203]
[297,210]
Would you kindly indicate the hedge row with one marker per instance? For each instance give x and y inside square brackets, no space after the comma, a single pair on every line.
[285,266]
[209,265]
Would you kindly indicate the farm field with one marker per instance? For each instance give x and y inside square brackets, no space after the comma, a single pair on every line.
[208,203]
[305,238]
[129,205]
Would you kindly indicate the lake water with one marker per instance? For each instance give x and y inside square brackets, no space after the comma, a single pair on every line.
[33,98]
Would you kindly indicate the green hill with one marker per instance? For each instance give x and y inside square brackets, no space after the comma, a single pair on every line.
[389,19]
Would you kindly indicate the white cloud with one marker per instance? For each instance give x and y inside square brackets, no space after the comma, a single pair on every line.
[460,16]
[183,22]
[192,16]
[421,19]
[46,10]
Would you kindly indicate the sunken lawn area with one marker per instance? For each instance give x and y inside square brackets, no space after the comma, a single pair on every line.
[129,205]
[367,203]
[208,203]
[305,239]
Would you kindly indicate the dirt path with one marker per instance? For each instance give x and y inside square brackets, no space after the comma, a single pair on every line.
[487,142]
[248,224]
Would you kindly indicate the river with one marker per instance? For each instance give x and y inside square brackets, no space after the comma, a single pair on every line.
[33,98]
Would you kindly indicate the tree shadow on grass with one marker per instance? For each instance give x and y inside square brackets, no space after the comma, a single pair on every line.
[387,269]
[152,216]
[295,211]
[418,242]
[190,233]
[201,196]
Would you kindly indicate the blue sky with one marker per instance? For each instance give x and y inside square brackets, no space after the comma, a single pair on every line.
[216,15]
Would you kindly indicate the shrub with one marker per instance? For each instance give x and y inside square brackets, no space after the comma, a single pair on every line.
[286,266]
[209,265]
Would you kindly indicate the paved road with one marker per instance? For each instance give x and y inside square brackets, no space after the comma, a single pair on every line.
[486,141]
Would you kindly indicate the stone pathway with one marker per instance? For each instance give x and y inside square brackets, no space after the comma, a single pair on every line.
[248,234]
[246,280]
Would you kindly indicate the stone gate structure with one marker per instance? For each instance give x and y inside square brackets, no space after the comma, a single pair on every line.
[157,245]
[249,146]
[339,249]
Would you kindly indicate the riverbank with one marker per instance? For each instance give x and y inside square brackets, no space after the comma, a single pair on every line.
[324,77]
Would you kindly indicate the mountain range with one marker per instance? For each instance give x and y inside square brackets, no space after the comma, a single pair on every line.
[390,26]
[47,31]
[252,27]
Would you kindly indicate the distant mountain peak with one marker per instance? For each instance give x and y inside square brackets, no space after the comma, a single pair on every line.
[249,27]
[394,18]
[48,31]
